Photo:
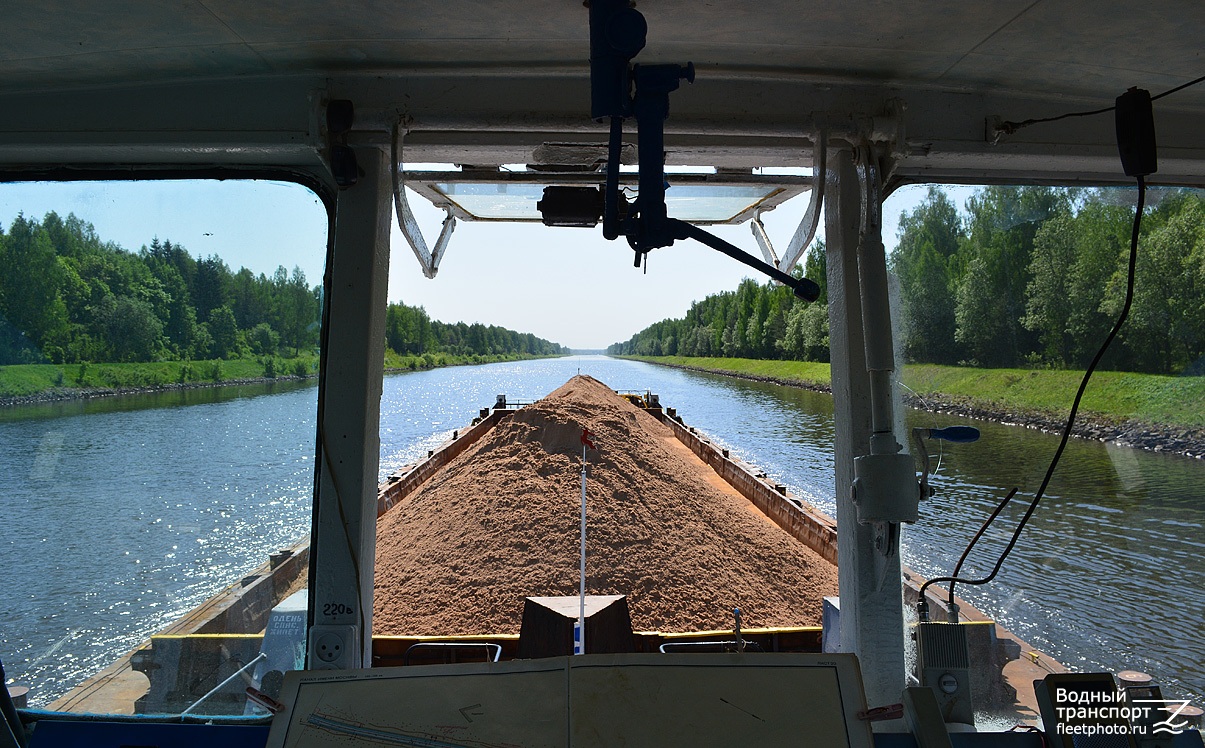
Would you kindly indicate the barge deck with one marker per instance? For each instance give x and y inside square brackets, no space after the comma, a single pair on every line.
[227,630]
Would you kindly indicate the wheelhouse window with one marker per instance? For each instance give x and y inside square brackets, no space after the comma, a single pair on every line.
[158,370]
[1006,295]
[1003,296]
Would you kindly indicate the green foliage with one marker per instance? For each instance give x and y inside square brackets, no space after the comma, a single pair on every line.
[296,304]
[806,337]
[67,296]
[202,342]
[270,368]
[925,263]
[130,328]
[1002,223]
[31,282]
[262,339]
[1025,276]
[223,328]
[410,332]
[15,346]
[1048,305]
[755,321]
[1166,332]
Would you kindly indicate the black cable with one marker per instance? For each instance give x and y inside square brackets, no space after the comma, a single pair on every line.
[1079,394]
[1177,88]
[1009,128]
[982,529]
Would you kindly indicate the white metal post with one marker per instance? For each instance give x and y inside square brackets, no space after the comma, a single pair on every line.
[870,582]
[579,644]
[343,545]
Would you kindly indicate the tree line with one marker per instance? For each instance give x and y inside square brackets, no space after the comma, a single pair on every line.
[1023,276]
[409,331]
[67,296]
[754,321]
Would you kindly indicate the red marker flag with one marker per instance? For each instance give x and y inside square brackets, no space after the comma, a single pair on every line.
[586,439]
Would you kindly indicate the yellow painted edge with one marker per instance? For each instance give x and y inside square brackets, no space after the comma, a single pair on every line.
[515,637]
[728,632]
[456,638]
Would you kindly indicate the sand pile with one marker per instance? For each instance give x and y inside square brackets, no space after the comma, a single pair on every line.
[501,523]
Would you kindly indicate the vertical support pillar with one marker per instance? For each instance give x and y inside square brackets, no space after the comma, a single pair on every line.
[343,546]
[870,582]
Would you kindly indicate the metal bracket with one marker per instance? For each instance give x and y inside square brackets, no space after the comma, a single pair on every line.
[870,177]
[428,259]
[806,231]
[763,239]
[617,34]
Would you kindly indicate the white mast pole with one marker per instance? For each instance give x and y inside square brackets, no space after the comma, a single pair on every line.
[579,633]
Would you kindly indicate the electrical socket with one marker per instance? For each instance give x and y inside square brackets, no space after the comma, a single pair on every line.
[334,647]
[329,647]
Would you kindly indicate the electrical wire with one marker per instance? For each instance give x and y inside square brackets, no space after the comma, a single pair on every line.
[1009,128]
[982,529]
[924,403]
[1178,88]
[1079,394]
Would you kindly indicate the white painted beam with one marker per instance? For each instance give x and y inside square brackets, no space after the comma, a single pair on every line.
[870,583]
[344,536]
[456,116]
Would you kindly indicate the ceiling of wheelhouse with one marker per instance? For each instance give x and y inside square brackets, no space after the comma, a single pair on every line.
[486,82]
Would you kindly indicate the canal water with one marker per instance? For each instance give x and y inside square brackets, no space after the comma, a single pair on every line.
[121,514]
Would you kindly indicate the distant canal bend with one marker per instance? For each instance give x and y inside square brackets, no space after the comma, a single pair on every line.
[103,545]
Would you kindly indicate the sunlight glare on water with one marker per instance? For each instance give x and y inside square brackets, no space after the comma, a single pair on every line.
[121,517]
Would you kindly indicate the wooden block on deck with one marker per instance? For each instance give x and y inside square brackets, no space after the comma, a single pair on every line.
[547,629]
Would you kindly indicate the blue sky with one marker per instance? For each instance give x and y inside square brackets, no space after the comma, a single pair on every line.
[567,285]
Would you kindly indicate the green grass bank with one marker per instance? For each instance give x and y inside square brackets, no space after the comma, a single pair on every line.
[33,382]
[1112,396]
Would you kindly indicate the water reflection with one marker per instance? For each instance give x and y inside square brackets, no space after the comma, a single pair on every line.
[123,513]
[1109,574]
[173,398]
